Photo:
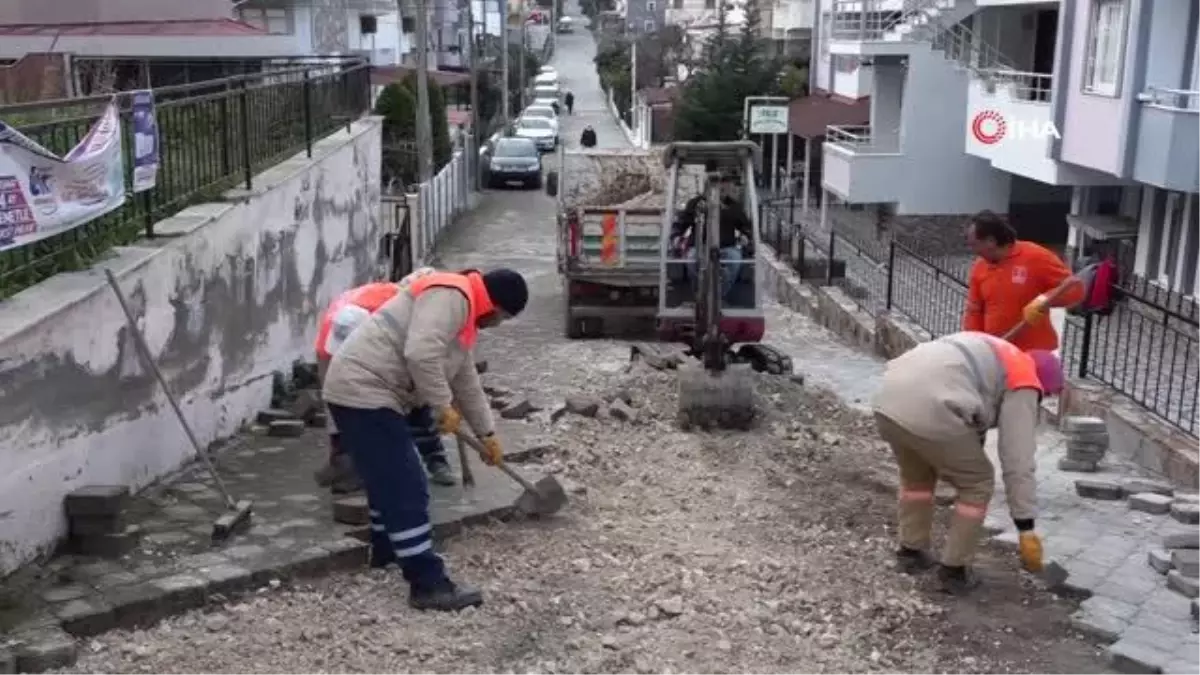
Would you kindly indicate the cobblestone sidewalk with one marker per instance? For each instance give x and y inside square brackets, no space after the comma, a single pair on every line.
[1105,546]
[175,565]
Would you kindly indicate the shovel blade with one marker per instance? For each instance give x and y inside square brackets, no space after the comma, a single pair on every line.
[548,499]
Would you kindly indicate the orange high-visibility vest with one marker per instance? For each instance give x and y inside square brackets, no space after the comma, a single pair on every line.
[1020,371]
[370,297]
[470,285]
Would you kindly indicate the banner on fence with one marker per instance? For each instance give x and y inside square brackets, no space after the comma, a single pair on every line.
[145,141]
[42,195]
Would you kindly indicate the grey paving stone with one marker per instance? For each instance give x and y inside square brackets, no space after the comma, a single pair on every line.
[1187,539]
[1077,465]
[1186,512]
[49,649]
[1080,423]
[1127,590]
[184,512]
[1187,561]
[1105,627]
[1180,667]
[1099,489]
[1189,587]
[63,593]
[96,500]
[1138,485]
[115,579]
[244,551]
[305,498]
[286,428]
[1120,609]
[165,538]
[225,577]
[1150,502]
[1128,656]
[1159,560]
[86,616]
[1163,642]
[265,417]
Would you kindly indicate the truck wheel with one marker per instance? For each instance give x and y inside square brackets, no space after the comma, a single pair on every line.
[551,183]
[572,327]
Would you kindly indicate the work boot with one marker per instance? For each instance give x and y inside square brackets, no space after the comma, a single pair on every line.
[957,580]
[913,561]
[440,473]
[446,597]
[344,479]
[382,560]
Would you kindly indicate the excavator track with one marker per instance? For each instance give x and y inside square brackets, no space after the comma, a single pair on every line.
[765,359]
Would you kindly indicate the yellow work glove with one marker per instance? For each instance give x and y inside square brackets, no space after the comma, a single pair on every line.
[1030,546]
[492,453]
[1036,309]
[448,420]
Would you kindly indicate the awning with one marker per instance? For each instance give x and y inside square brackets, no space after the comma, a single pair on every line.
[809,116]
[215,27]
[1104,227]
[381,76]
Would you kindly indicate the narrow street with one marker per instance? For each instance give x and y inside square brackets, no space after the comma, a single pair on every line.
[768,551]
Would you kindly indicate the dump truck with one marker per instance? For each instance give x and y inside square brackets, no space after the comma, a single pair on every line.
[610,217]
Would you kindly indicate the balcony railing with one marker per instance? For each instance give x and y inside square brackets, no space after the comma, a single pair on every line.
[860,140]
[1179,100]
[869,20]
[1029,87]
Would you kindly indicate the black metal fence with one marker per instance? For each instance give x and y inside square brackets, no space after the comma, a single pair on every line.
[212,136]
[1146,349]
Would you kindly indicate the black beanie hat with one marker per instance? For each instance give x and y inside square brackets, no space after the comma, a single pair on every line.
[507,290]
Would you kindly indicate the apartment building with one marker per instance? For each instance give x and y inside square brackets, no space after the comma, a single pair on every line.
[645,17]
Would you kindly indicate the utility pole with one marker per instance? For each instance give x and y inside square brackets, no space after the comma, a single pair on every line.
[473,67]
[524,48]
[632,74]
[424,129]
[504,102]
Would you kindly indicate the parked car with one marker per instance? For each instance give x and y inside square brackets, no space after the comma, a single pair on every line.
[546,91]
[566,25]
[541,131]
[544,70]
[546,80]
[547,112]
[515,159]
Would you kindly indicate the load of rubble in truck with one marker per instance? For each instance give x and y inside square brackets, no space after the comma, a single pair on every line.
[610,215]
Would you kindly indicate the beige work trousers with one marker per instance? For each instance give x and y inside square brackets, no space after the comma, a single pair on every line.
[960,462]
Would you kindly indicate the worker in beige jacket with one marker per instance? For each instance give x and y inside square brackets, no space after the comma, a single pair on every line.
[417,349]
[934,406]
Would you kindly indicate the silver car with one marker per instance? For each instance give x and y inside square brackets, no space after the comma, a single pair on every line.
[541,131]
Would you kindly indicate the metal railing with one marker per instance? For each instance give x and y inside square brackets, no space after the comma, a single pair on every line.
[870,20]
[1179,100]
[213,136]
[862,140]
[1021,86]
[961,45]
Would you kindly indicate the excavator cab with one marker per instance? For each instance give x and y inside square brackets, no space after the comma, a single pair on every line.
[708,272]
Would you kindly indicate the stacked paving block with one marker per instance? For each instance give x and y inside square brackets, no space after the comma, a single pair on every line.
[1087,443]
[96,519]
[1179,557]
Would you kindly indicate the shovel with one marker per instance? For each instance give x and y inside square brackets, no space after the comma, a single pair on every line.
[1052,296]
[544,498]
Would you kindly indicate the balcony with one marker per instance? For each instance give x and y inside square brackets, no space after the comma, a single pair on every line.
[1010,123]
[860,165]
[890,27]
[1167,137]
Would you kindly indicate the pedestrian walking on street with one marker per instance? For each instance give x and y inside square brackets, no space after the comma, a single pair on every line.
[418,348]
[1010,282]
[337,323]
[934,406]
[570,101]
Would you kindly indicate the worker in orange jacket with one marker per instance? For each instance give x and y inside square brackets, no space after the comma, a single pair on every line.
[1010,282]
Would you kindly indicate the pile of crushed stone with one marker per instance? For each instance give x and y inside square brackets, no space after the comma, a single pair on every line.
[760,551]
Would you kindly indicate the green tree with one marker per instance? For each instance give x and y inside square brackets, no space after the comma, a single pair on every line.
[438,122]
[735,65]
[515,85]
[398,108]
[793,82]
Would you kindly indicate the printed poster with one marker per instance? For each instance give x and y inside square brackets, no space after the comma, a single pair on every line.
[145,141]
[42,195]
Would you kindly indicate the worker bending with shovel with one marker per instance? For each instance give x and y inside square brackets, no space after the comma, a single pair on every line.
[934,406]
[337,323]
[417,349]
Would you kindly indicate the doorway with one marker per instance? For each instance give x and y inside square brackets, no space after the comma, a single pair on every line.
[1044,40]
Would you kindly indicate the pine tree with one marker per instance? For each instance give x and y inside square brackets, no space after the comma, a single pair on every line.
[438,123]
[736,65]
[398,107]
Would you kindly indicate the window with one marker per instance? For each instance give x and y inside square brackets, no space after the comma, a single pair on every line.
[408,25]
[677,4]
[651,6]
[710,4]
[649,26]
[274,20]
[1105,47]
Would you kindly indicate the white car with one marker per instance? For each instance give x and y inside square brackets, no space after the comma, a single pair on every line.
[545,91]
[546,80]
[546,102]
[548,70]
[545,111]
[543,132]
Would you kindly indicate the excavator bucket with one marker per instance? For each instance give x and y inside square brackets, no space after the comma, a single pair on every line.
[716,400]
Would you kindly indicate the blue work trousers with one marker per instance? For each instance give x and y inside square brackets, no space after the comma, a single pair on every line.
[381,444]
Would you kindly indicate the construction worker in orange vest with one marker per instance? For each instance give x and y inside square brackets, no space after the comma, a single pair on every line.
[935,404]
[337,323]
[417,349]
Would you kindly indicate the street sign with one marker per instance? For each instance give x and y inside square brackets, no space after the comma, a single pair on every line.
[769,119]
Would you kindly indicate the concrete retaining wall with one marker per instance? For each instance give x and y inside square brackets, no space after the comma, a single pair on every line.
[229,294]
